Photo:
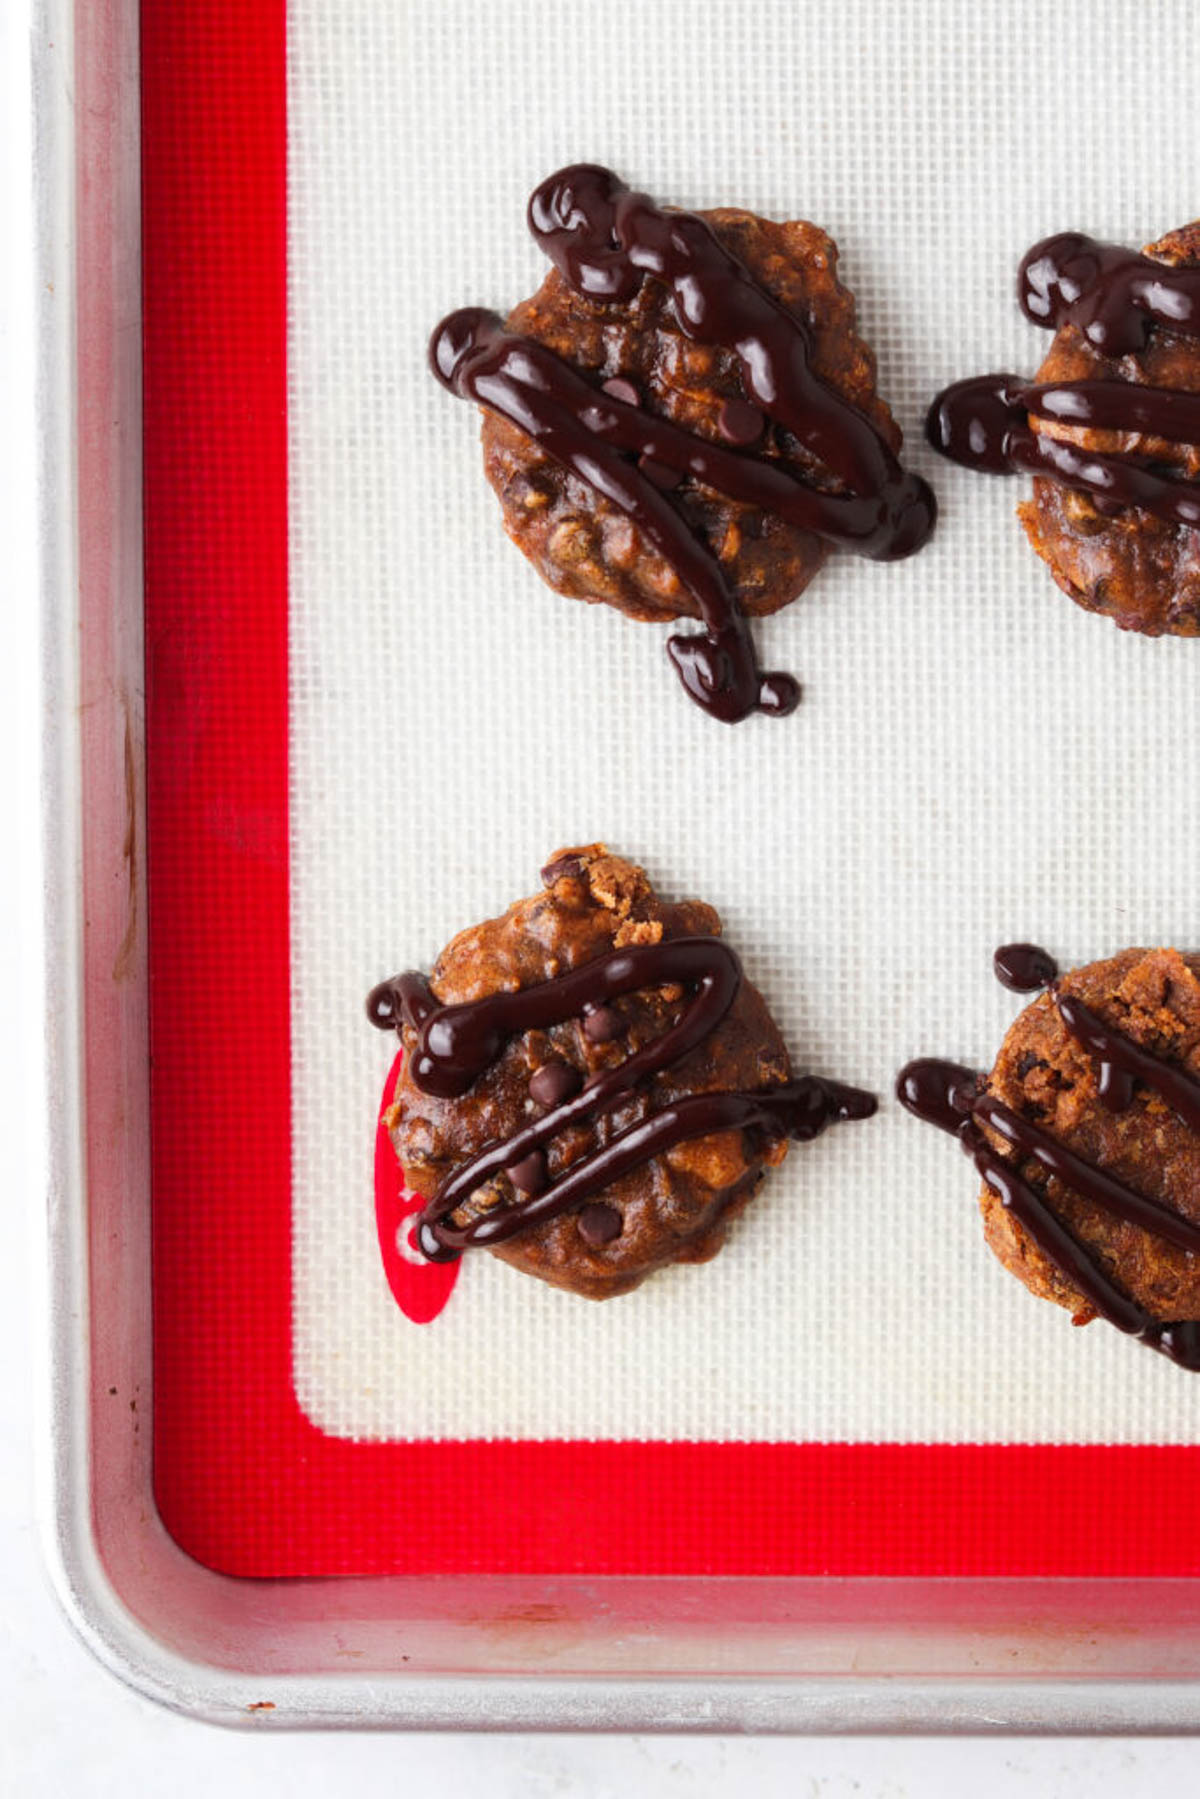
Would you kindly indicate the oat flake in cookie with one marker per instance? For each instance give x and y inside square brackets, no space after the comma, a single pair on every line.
[1087,1135]
[682,422]
[590,1087]
[1109,426]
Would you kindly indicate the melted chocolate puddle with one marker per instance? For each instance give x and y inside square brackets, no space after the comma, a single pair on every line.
[952,1097]
[457,1044]
[1115,298]
[606,241]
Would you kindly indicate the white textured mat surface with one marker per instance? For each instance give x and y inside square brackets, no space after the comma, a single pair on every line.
[975,759]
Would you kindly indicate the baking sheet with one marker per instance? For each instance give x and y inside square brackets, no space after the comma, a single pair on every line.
[975,760]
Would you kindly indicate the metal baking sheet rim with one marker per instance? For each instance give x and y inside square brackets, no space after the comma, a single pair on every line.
[491,1653]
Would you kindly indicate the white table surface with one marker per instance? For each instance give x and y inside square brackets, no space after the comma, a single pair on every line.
[68,1727]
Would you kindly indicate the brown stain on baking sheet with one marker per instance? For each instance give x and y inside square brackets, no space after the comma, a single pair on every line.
[123,964]
[531,1614]
[540,1629]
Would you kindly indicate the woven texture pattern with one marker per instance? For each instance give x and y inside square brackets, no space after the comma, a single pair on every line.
[975,760]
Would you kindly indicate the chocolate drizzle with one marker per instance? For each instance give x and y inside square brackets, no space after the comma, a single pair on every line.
[1113,295]
[955,1099]
[1122,1064]
[457,1044]
[606,240]
[1023,967]
[1115,298]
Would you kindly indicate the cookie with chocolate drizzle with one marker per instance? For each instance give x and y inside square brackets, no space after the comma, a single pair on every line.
[1087,1135]
[590,1087]
[1109,426]
[682,422]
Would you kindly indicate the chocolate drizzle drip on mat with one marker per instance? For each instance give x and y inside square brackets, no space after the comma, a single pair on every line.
[457,1044]
[953,1098]
[1023,967]
[606,240]
[1115,298]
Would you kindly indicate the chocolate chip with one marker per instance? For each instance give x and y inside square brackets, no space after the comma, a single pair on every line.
[554,1082]
[658,472]
[531,1173]
[620,388]
[740,423]
[602,1024]
[561,868]
[599,1224]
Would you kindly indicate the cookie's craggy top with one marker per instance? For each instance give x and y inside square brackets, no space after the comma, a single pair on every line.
[673,1206]
[1118,521]
[1128,1140]
[712,426]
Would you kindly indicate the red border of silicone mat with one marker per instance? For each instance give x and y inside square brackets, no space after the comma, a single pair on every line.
[245,1483]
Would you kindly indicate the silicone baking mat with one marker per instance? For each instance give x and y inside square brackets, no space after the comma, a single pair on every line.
[368,725]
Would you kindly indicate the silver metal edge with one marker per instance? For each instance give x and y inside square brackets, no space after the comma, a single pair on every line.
[60,1318]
